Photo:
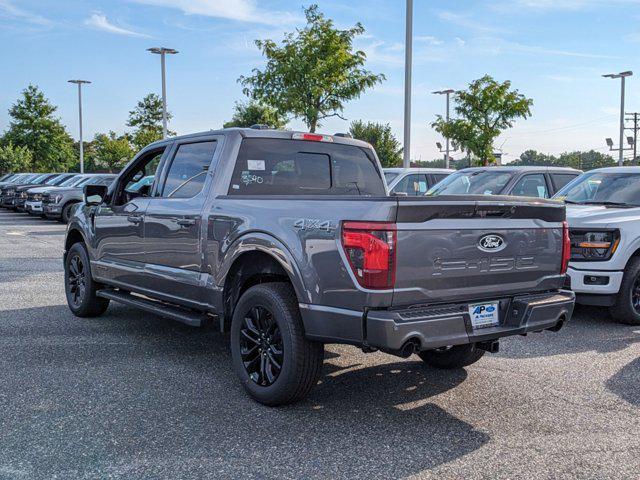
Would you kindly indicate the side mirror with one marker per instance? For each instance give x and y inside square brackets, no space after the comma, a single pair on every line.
[95,194]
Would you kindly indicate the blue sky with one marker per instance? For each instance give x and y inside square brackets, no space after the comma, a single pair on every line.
[552,50]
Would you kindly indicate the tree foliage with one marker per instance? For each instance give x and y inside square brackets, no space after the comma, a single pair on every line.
[34,126]
[255,113]
[485,109]
[111,152]
[380,137]
[14,159]
[313,72]
[146,119]
[577,159]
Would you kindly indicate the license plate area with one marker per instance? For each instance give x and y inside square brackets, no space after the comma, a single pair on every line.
[484,315]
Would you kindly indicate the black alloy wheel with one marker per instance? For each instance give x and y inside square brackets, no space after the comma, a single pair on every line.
[635,295]
[77,280]
[261,347]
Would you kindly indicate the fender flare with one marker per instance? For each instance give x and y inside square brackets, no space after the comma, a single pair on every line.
[262,242]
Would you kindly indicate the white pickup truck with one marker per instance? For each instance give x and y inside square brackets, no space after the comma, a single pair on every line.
[603,212]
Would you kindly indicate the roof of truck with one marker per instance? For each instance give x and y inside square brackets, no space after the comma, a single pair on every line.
[266,133]
[519,168]
[630,169]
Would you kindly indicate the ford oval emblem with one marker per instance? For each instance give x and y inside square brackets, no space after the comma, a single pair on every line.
[491,243]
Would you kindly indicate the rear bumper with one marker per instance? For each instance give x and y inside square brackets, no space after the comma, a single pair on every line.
[436,326]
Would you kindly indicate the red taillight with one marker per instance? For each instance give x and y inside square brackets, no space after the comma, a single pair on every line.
[566,248]
[371,252]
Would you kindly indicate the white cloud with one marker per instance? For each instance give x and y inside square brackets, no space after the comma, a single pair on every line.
[554,5]
[460,42]
[467,21]
[428,39]
[240,10]
[8,9]
[101,22]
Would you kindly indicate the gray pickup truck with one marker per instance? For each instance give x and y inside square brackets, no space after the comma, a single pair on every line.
[290,241]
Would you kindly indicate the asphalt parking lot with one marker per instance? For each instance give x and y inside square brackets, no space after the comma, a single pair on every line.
[130,395]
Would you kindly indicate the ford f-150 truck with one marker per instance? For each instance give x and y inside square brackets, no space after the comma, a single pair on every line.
[603,212]
[290,241]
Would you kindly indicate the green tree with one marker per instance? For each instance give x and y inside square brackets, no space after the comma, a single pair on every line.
[485,109]
[380,137]
[313,73]
[34,126]
[14,159]
[255,113]
[146,119]
[112,152]
[535,159]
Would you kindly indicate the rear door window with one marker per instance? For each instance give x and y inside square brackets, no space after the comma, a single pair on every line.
[296,167]
[561,179]
[532,185]
[188,170]
[413,185]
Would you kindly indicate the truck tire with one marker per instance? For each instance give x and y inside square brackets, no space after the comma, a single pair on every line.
[66,212]
[79,287]
[276,364]
[626,309]
[457,356]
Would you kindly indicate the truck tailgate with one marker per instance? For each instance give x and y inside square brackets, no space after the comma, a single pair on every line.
[466,248]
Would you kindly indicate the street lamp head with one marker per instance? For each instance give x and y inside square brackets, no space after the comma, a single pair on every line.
[161,50]
[628,73]
[609,142]
[439,145]
[443,92]
[78,82]
[630,140]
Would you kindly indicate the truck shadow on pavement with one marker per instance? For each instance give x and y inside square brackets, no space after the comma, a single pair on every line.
[626,383]
[591,329]
[131,395]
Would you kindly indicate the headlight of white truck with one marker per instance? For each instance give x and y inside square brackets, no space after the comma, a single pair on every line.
[593,245]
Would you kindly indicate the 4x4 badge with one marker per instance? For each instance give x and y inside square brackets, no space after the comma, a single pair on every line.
[491,243]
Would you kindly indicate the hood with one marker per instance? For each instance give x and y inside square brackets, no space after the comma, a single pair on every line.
[588,216]
[63,190]
[42,189]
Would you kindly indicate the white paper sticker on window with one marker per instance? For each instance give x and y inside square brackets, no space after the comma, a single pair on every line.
[542,192]
[255,164]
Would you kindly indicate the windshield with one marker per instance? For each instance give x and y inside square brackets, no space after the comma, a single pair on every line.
[37,179]
[389,176]
[57,180]
[478,182]
[603,188]
[70,182]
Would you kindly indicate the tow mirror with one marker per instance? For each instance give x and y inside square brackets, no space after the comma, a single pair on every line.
[95,194]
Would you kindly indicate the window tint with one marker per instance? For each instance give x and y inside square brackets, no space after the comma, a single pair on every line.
[414,184]
[105,181]
[296,167]
[188,170]
[561,179]
[532,185]
[438,177]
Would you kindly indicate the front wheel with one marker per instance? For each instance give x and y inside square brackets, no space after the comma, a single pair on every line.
[458,356]
[627,306]
[276,364]
[66,212]
[79,286]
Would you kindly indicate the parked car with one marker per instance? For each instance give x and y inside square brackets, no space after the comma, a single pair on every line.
[15,178]
[413,181]
[9,193]
[290,241]
[603,211]
[22,193]
[33,203]
[541,182]
[59,203]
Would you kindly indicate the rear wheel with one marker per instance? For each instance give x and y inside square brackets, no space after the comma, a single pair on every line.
[457,356]
[276,364]
[79,286]
[627,306]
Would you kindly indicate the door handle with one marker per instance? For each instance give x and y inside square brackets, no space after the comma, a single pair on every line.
[134,219]
[186,221]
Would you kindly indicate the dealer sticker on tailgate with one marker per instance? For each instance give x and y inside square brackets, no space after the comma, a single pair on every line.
[484,314]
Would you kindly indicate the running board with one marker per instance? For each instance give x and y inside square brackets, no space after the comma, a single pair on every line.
[195,319]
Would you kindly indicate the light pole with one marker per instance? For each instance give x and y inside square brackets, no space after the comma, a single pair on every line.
[408,52]
[162,51]
[79,83]
[446,92]
[621,76]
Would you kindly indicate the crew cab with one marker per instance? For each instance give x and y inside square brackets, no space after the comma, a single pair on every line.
[603,212]
[520,181]
[290,240]
[414,181]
